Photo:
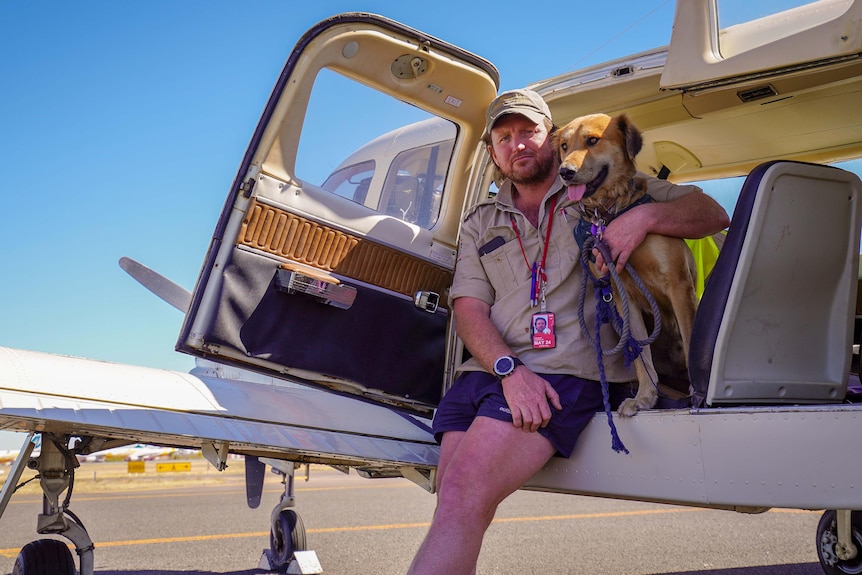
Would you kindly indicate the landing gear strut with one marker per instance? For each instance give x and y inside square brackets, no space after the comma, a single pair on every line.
[56,467]
[287,552]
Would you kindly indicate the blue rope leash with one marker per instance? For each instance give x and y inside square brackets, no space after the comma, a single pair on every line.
[616,442]
[606,312]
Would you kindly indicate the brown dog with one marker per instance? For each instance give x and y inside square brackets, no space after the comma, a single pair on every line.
[597,163]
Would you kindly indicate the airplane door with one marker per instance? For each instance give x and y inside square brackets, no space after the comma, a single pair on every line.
[332,258]
[764,61]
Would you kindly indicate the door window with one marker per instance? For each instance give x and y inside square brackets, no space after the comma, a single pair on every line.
[374,150]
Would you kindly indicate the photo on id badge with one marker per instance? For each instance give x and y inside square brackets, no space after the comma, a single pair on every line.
[542,330]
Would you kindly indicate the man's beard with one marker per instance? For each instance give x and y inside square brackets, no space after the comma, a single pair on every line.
[536,174]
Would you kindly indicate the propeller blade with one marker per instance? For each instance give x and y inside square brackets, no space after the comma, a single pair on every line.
[170,292]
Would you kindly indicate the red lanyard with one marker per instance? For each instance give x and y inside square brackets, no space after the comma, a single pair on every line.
[537,270]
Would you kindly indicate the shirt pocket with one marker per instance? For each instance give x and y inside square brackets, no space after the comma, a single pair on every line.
[504,264]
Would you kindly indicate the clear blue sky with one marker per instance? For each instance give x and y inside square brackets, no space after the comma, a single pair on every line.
[122,125]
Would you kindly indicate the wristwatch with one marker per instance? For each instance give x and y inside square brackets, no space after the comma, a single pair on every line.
[505,365]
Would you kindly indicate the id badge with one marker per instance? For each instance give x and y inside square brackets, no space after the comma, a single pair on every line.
[542,330]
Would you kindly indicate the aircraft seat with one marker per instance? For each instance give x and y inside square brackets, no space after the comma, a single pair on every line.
[402,198]
[775,323]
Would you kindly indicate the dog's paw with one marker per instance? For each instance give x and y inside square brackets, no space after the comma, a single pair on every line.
[630,407]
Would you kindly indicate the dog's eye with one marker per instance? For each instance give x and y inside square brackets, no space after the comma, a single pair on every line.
[564,147]
[592,141]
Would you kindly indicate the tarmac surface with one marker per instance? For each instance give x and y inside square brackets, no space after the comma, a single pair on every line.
[198,522]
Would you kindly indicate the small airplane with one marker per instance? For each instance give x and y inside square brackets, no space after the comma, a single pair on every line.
[136,452]
[7,456]
[320,319]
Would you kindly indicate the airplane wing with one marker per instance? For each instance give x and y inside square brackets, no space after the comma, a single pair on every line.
[276,423]
[73,396]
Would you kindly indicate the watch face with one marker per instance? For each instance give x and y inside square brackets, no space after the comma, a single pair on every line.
[504,366]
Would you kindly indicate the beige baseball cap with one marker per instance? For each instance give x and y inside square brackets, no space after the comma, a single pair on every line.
[525,102]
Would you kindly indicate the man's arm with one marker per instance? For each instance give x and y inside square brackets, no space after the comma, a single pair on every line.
[526,393]
[694,215]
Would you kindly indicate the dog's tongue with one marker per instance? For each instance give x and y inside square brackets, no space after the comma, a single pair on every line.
[575,193]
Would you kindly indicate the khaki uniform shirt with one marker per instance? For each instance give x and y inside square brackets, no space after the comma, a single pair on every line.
[502,279]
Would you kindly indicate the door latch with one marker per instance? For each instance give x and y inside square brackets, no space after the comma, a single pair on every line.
[427,300]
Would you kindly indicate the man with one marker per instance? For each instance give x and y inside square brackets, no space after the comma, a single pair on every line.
[514,404]
[542,325]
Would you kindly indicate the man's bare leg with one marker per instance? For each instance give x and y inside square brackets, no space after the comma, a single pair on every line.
[480,468]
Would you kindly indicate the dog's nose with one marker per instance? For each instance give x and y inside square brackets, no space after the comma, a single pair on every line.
[567,173]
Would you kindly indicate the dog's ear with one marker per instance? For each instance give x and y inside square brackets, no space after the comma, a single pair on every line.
[632,136]
[555,136]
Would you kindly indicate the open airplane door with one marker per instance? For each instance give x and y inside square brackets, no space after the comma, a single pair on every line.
[336,274]
[797,53]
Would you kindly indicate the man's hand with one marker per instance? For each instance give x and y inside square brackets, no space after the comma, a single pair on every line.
[529,396]
[623,236]
[694,215]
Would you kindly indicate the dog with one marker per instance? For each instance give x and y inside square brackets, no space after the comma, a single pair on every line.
[597,154]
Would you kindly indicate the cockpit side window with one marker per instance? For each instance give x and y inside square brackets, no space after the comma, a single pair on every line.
[414,184]
[351,182]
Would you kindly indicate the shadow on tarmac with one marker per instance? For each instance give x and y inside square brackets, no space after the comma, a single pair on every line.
[794,569]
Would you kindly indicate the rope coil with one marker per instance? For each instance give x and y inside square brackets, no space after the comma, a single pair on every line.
[606,312]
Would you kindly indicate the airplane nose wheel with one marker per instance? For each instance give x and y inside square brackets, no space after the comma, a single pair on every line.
[288,549]
[829,552]
[44,557]
[286,537]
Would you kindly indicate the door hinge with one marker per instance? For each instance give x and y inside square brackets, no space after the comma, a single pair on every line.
[246,187]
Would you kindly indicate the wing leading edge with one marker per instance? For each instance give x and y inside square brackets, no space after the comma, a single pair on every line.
[73,396]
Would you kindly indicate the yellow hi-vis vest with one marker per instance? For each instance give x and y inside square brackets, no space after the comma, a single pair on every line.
[705,252]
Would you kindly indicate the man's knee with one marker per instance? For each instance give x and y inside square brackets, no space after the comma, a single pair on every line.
[466,494]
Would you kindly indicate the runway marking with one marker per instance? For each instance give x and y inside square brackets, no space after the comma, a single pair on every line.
[12,553]
[597,515]
[512,520]
[111,495]
[809,511]
[425,524]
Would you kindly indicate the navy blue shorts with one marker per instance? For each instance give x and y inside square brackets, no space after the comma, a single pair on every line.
[478,393]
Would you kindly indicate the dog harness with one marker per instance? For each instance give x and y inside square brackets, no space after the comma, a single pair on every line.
[588,226]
